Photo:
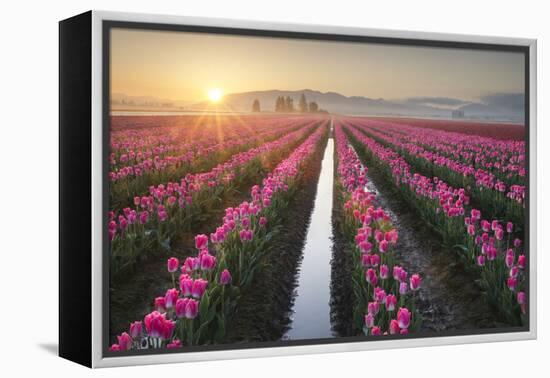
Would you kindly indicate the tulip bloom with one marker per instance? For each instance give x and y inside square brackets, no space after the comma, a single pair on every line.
[521,261]
[170,298]
[191,309]
[480,260]
[174,344]
[403,317]
[199,287]
[394,327]
[160,304]
[186,284]
[181,305]
[373,307]
[154,324]
[379,294]
[371,277]
[369,320]
[415,281]
[509,227]
[225,277]
[201,241]
[391,302]
[173,264]
[135,329]
[207,262]
[168,328]
[124,341]
[384,271]
[375,331]
[510,258]
[512,283]
[403,288]
[114,348]
[262,221]
[383,246]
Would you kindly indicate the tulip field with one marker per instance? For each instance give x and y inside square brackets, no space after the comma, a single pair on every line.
[204,226]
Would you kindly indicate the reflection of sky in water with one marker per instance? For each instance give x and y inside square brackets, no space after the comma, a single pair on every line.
[311,318]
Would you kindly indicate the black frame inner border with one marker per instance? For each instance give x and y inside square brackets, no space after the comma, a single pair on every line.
[108,25]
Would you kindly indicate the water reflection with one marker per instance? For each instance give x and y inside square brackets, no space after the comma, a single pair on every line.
[311,318]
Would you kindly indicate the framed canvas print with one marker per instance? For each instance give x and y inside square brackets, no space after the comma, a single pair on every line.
[234,189]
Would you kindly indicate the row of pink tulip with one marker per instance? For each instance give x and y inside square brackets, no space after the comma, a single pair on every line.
[413,145]
[383,288]
[181,316]
[446,208]
[167,209]
[140,164]
[504,158]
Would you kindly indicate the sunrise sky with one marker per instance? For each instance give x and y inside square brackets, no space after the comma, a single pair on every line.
[185,66]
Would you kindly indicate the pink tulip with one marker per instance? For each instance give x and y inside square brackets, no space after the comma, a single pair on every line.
[521,261]
[383,246]
[371,277]
[394,327]
[512,283]
[170,298]
[124,341]
[174,344]
[510,258]
[173,264]
[517,243]
[154,324]
[168,328]
[135,329]
[384,271]
[499,233]
[403,288]
[114,348]
[190,264]
[199,287]
[225,277]
[365,260]
[373,308]
[403,317]
[509,227]
[374,260]
[186,285]
[471,230]
[191,309]
[369,320]
[480,260]
[160,304]
[379,294]
[201,241]
[181,306]
[415,282]
[391,302]
[375,331]
[263,221]
[514,271]
[207,262]
[143,217]
[365,247]
[404,331]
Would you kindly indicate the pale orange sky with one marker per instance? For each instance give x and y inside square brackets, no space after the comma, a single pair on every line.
[183,66]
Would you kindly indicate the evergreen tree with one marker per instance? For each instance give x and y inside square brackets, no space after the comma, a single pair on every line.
[256,106]
[303,104]
[313,107]
[289,105]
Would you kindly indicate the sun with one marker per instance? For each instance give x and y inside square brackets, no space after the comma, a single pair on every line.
[215,94]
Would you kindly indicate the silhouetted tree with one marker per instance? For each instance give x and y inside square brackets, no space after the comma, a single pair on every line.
[303,103]
[280,104]
[256,106]
[313,107]
[289,104]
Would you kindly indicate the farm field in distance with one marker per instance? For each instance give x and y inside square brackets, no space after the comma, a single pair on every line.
[215,224]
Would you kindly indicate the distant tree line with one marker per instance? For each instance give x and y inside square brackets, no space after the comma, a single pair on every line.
[286,105]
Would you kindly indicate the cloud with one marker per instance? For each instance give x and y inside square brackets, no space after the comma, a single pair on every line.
[515,101]
[443,101]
